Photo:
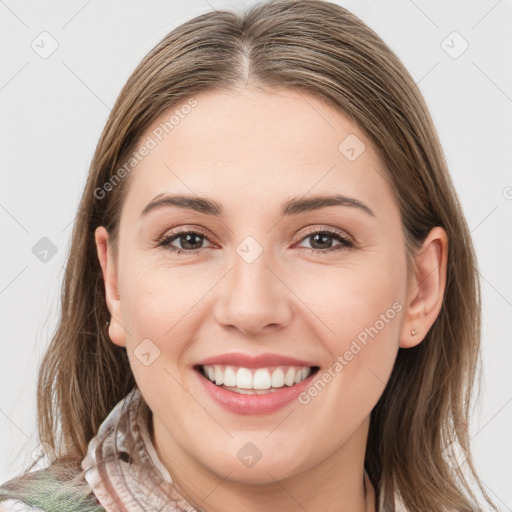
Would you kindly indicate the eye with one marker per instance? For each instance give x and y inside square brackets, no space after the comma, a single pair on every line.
[322,239]
[192,240]
[188,239]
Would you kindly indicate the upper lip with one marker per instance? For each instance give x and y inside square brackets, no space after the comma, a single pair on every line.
[250,361]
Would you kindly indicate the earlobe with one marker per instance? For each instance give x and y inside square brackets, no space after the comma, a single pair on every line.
[110,279]
[426,288]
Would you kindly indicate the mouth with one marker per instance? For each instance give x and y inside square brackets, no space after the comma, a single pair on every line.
[255,381]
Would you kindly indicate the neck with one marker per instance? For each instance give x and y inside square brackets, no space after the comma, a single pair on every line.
[335,484]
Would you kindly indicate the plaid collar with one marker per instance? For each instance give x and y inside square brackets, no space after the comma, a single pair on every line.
[123,468]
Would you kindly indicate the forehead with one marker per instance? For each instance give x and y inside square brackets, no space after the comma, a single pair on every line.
[266,144]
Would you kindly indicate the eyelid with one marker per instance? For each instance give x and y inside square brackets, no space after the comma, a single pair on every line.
[325,229]
[178,230]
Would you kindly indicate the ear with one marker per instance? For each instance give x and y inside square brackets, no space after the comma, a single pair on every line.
[116,330]
[426,288]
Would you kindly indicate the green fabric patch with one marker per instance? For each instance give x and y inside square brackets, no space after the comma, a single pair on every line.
[41,489]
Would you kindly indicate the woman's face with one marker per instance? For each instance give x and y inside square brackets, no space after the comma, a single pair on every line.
[253,278]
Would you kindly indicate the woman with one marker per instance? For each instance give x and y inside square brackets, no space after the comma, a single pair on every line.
[271,299]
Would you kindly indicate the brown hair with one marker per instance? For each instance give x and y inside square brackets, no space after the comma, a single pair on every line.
[322,49]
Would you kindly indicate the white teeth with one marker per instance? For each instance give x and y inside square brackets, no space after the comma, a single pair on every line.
[244,378]
[261,379]
[255,379]
[219,376]
[229,376]
[278,378]
[301,375]
[289,378]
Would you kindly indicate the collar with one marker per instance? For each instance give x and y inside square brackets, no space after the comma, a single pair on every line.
[123,468]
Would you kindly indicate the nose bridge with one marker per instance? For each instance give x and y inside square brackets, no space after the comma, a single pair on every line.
[254,297]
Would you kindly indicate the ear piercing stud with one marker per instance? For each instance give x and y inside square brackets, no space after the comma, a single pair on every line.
[414,332]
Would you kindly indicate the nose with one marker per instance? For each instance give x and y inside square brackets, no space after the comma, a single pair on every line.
[253,298]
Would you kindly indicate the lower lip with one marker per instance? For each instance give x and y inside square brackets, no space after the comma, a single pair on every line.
[254,404]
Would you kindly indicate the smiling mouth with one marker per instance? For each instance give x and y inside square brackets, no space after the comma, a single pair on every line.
[255,381]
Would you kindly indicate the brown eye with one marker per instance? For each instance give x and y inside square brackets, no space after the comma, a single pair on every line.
[321,241]
[190,242]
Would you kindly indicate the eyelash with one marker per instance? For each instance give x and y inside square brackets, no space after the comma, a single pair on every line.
[346,243]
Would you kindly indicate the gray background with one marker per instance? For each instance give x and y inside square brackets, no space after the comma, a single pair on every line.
[54,108]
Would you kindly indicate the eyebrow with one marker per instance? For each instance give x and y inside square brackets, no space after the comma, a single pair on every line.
[293,206]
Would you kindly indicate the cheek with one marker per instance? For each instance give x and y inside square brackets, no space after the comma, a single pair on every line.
[358,315]
[161,304]
[350,299]
[155,297]
[158,310]
[363,314]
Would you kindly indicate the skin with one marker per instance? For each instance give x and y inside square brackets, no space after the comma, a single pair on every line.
[251,151]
